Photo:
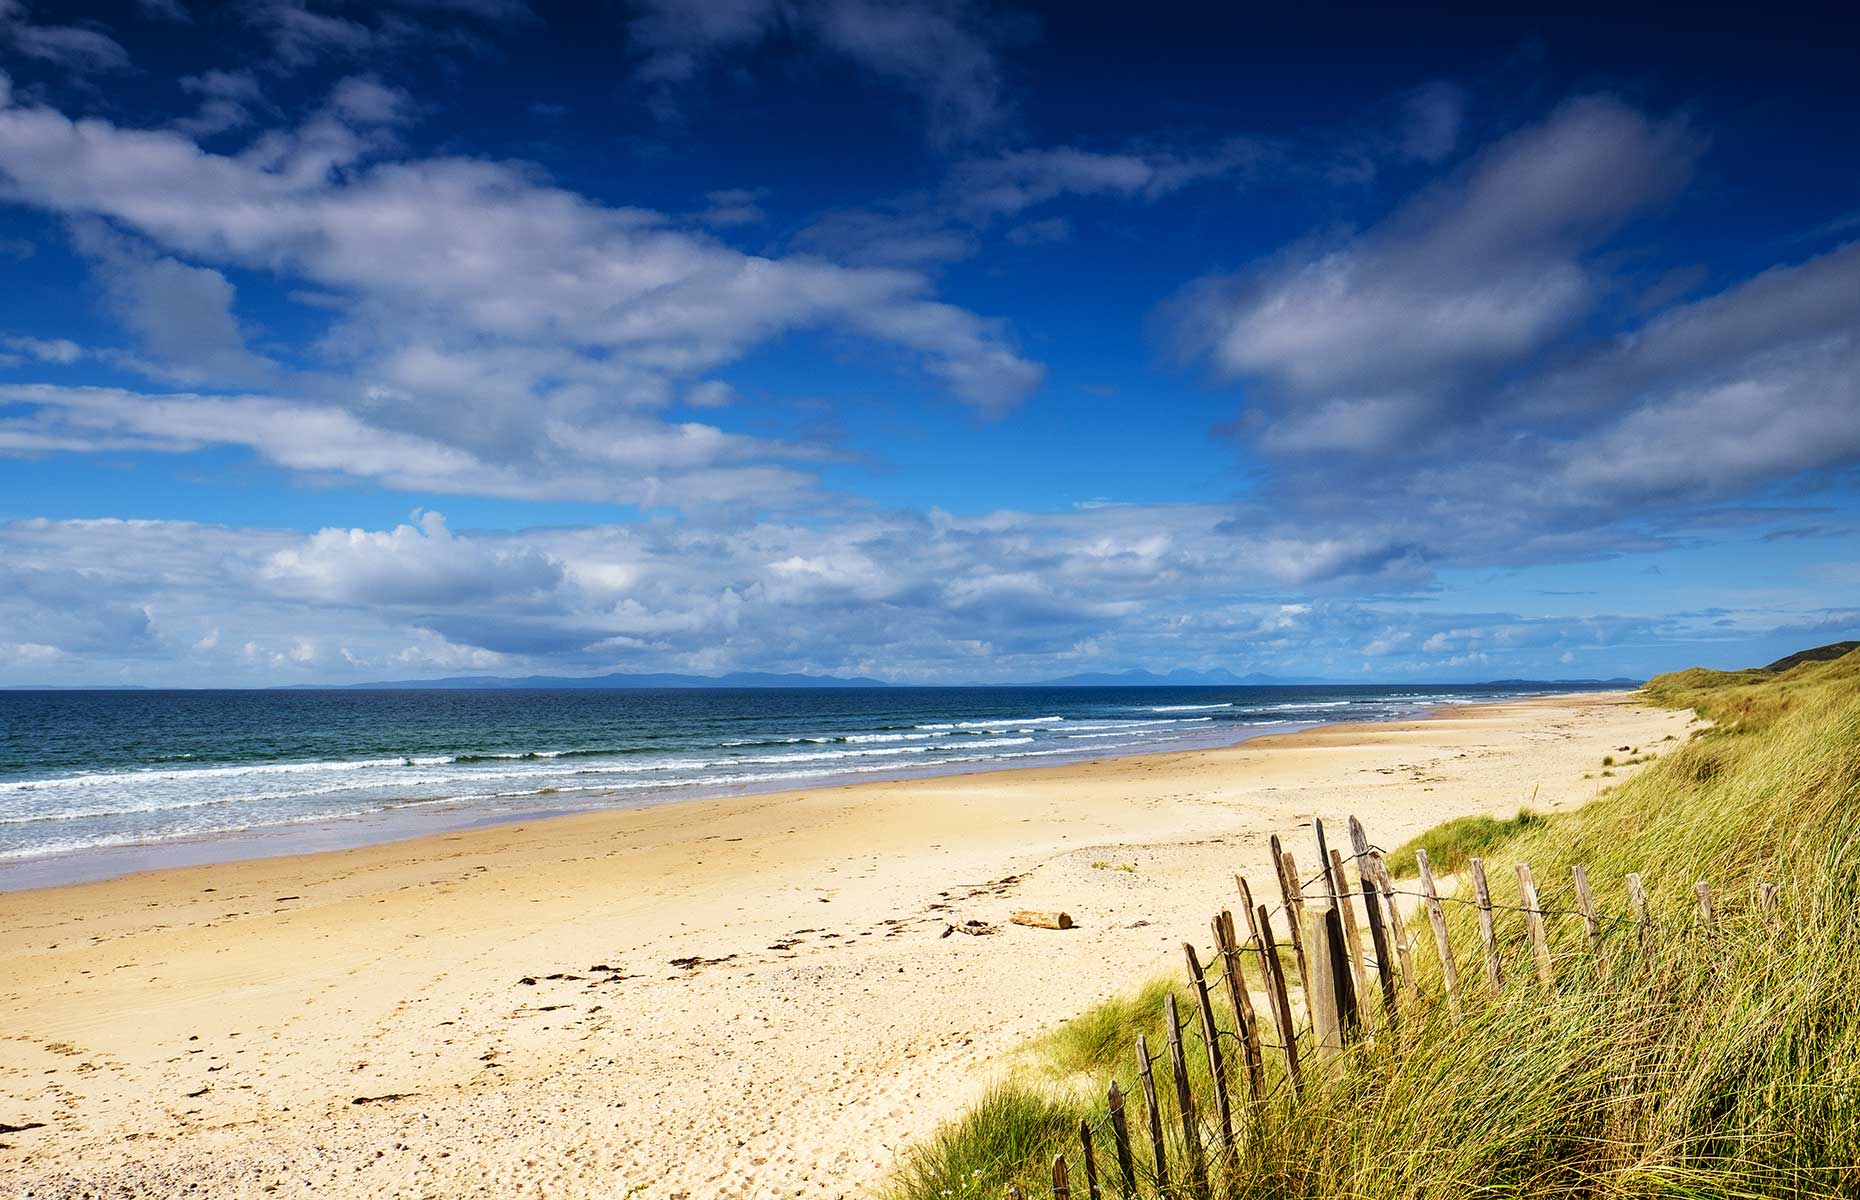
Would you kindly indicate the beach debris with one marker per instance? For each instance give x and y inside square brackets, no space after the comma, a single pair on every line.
[695,961]
[1042,920]
[382,1099]
[527,981]
[5,1128]
[203,1091]
[971,927]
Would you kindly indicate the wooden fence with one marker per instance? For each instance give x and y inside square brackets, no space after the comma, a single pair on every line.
[1356,965]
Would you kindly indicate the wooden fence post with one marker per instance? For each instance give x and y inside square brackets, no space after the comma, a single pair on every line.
[1211,1034]
[1120,1139]
[1242,1001]
[1585,900]
[1398,928]
[1637,896]
[1321,1000]
[1157,1146]
[1372,909]
[1332,884]
[1294,895]
[1494,967]
[1534,921]
[1707,917]
[1185,1099]
[1246,906]
[1062,1179]
[1091,1164]
[1353,940]
[1449,973]
[1281,1003]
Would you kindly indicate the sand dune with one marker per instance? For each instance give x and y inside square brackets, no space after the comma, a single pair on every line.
[750,997]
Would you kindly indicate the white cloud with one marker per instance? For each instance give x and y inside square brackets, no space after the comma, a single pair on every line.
[76,47]
[1471,275]
[941,50]
[482,314]
[926,597]
[408,565]
[1017,180]
[58,351]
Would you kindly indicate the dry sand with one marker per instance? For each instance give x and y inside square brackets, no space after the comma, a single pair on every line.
[741,997]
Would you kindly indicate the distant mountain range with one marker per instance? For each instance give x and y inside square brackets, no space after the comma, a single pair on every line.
[735,679]
[1181,677]
[765,679]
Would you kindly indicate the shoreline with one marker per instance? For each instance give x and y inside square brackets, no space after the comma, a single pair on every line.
[743,997]
[431,818]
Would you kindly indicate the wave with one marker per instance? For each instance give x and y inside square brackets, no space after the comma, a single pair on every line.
[1161,708]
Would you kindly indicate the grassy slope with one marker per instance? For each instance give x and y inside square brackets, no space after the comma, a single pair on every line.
[1723,1065]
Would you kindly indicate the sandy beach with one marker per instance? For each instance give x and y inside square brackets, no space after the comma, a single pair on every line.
[748,997]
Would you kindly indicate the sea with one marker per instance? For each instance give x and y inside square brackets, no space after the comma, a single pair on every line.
[97,783]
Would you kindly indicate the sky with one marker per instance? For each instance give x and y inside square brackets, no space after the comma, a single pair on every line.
[926,340]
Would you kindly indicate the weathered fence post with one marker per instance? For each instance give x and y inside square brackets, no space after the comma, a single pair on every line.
[1185,1099]
[1157,1146]
[1332,883]
[1534,921]
[1398,928]
[1322,1001]
[1637,896]
[1353,940]
[1237,995]
[1586,902]
[1091,1164]
[1770,902]
[1449,973]
[1707,917]
[1062,1179]
[1372,909]
[1120,1139]
[1294,896]
[1494,967]
[1281,1003]
[1210,1033]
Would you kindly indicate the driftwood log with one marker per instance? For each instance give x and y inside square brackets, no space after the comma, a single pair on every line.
[1042,920]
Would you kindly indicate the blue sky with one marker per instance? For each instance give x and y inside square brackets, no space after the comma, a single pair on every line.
[926,340]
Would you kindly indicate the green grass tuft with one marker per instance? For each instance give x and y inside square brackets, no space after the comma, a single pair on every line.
[1451,844]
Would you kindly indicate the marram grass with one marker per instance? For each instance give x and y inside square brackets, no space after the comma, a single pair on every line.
[1720,1063]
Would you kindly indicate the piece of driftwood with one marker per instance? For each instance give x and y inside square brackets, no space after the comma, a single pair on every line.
[1042,920]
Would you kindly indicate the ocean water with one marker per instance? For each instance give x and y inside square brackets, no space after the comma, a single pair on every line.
[81,771]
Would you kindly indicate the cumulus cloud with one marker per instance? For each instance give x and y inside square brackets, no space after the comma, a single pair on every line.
[1434,390]
[1362,342]
[477,307]
[181,314]
[409,565]
[929,598]
[227,99]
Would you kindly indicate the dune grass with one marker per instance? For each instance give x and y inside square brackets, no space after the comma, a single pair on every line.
[1451,844]
[1718,1063]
